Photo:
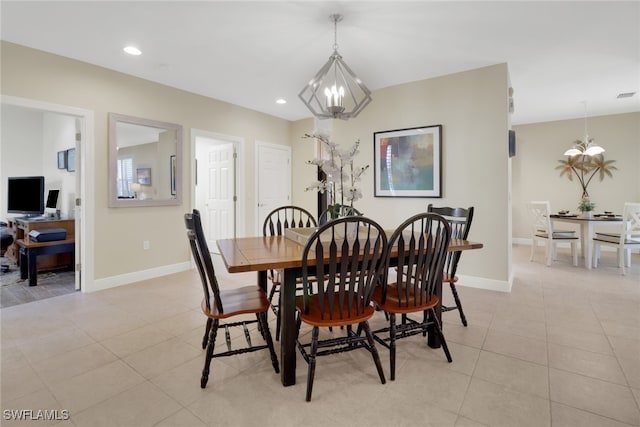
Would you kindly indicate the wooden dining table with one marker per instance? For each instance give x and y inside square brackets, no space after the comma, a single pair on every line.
[261,254]
[586,230]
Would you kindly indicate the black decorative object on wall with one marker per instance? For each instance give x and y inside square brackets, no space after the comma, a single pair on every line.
[512,143]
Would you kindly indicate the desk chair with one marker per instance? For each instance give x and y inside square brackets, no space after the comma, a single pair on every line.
[6,240]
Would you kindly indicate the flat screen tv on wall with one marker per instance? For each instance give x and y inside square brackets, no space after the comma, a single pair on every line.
[25,195]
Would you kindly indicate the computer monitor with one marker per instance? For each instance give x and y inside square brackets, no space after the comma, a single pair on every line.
[25,195]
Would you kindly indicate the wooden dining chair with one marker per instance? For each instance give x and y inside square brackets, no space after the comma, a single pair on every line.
[351,267]
[460,221]
[219,305]
[421,243]
[626,238]
[542,230]
[274,225]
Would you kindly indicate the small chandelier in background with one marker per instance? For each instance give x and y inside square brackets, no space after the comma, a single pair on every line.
[584,161]
[335,91]
[585,147]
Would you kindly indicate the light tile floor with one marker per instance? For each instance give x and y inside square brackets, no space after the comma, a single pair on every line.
[562,349]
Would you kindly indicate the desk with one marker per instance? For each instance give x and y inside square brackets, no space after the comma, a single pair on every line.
[29,252]
[586,230]
[278,252]
[20,228]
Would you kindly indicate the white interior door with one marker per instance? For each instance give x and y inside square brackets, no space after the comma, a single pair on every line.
[215,189]
[273,165]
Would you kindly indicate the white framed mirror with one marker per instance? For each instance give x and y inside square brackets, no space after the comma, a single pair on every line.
[145,162]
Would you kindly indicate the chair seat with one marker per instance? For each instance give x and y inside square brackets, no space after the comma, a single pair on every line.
[246,300]
[615,239]
[598,233]
[567,232]
[392,303]
[338,317]
[559,235]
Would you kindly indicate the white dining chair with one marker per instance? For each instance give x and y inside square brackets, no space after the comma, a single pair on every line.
[542,229]
[627,238]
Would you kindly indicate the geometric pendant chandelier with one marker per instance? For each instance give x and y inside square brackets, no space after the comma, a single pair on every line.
[335,92]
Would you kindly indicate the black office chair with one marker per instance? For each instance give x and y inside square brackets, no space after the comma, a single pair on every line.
[6,240]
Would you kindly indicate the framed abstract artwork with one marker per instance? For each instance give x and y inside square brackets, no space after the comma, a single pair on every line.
[408,162]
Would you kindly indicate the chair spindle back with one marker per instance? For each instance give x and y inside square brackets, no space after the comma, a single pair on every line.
[351,266]
[202,257]
[287,217]
[421,242]
[460,221]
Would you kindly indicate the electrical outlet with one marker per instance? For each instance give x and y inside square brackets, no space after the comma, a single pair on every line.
[145,244]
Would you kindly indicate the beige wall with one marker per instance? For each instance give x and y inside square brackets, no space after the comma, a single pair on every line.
[541,145]
[472,108]
[119,232]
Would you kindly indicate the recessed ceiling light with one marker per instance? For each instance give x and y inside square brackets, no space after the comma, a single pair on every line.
[625,95]
[132,50]
[281,101]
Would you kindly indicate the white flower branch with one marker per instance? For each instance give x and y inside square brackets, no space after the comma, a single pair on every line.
[341,174]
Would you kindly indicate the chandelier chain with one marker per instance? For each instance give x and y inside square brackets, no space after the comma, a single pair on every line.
[586,131]
[336,19]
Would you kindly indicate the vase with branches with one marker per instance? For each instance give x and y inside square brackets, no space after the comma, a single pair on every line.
[341,175]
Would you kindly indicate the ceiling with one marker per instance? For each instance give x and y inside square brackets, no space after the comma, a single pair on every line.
[559,54]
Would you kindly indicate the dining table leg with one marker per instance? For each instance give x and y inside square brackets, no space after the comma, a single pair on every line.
[586,230]
[288,327]
[262,280]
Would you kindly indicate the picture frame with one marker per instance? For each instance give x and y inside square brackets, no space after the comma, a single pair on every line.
[62,159]
[408,162]
[71,159]
[172,174]
[143,176]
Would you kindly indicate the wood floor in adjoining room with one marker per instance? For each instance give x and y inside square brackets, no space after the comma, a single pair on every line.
[561,349]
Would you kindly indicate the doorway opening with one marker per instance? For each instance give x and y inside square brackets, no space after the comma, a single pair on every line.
[75,185]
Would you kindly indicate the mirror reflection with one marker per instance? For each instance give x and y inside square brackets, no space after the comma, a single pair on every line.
[144,162]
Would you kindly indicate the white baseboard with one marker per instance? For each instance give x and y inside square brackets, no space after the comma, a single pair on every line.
[137,276]
[482,283]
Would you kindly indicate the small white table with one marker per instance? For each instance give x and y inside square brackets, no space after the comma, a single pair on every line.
[586,230]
